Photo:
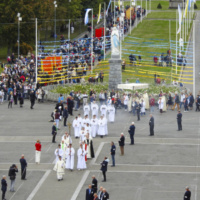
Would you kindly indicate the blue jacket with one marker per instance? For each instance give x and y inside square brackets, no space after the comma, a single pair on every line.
[3,185]
[104,165]
[113,149]
[131,130]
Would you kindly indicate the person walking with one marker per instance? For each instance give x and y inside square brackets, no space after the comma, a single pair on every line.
[94,184]
[104,165]
[112,152]
[179,120]
[138,107]
[54,132]
[23,167]
[12,174]
[38,147]
[187,194]
[122,143]
[3,187]
[176,102]
[65,116]
[151,125]
[132,133]
[32,99]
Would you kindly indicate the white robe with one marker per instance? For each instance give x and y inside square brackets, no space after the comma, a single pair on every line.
[86,109]
[88,130]
[37,156]
[88,148]
[70,158]
[160,104]
[109,103]
[82,135]
[164,103]
[146,100]
[58,152]
[106,125]
[101,130]
[129,104]
[80,121]
[95,109]
[103,110]
[94,127]
[85,121]
[111,114]
[81,164]
[76,128]
[126,100]
[59,168]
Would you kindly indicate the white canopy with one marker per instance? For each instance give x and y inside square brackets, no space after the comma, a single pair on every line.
[133,86]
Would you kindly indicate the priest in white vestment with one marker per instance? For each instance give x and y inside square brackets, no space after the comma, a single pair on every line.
[111,115]
[76,127]
[94,126]
[86,110]
[160,104]
[81,164]
[85,121]
[101,129]
[89,143]
[103,110]
[70,152]
[58,152]
[95,109]
[60,168]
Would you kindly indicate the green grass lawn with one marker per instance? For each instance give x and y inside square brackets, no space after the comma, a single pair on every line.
[162,15]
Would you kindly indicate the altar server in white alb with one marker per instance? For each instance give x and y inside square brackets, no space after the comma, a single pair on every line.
[88,129]
[82,134]
[90,149]
[103,110]
[58,152]
[160,104]
[81,164]
[86,109]
[106,125]
[143,106]
[67,140]
[95,109]
[60,168]
[94,126]
[111,115]
[85,121]
[126,102]
[101,130]
[80,120]
[76,127]
[70,152]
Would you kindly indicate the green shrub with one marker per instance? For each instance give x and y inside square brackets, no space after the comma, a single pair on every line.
[159,6]
[24,48]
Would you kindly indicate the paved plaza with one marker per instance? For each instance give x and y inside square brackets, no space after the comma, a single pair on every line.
[156,167]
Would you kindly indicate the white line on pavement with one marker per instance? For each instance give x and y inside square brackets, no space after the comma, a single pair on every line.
[35,190]
[80,185]
[97,153]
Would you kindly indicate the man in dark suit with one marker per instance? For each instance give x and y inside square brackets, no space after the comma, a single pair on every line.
[179,120]
[23,167]
[3,187]
[32,99]
[187,194]
[138,107]
[65,116]
[122,143]
[54,132]
[104,165]
[132,132]
[89,193]
[151,125]
[94,184]
[112,152]
[105,195]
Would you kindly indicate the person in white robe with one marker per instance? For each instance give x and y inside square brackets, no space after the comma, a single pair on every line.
[160,104]
[82,134]
[146,100]
[80,120]
[109,103]
[59,168]
[85,121]
[58,152]
[86,109]
[142,107]
[70,152]
[89,143]
[101,129]
[125,102]
[106,125]
[76,127]
[111,115]
[67,140]
[95,109]
[164,103]
[94,126]
[88,129]
[81,164]
[130,103]
[103,110]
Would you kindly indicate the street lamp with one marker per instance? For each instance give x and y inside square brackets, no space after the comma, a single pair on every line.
[18,41]
[55,5]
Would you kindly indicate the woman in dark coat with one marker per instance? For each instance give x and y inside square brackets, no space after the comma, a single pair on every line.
[169,101]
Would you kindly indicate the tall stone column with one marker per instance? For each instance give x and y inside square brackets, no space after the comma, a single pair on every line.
[115,73]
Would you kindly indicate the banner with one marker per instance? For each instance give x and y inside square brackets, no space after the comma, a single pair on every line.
[186,8]
[99,15]
[86,16]
[180,19]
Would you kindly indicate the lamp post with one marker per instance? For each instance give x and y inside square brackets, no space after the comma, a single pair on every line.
[18,41]
[55,5]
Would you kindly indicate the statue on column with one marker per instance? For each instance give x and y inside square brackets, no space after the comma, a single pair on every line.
[115,44]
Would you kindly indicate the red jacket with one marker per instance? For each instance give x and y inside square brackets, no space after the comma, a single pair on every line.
[38,146]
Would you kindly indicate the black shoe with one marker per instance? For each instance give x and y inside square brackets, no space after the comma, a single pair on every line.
[112,165]
[103,181]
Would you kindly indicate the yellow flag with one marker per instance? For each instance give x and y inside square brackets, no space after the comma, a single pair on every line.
[119,4]
[99,14]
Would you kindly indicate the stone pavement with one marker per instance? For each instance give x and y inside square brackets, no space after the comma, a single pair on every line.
[156,167]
